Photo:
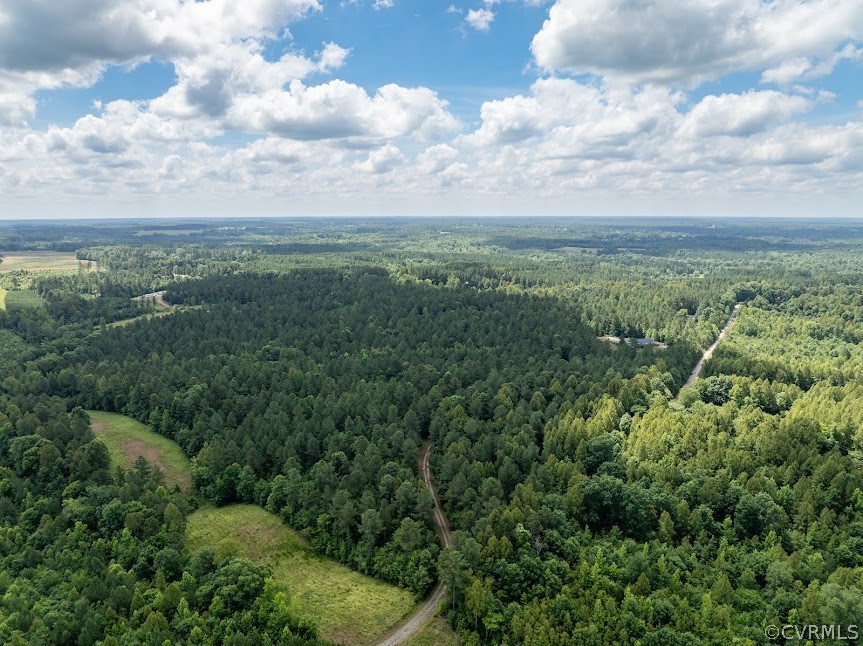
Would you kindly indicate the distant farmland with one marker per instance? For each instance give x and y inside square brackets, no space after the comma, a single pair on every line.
[41,261]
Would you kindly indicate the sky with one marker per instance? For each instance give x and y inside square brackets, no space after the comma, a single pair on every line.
[164,108]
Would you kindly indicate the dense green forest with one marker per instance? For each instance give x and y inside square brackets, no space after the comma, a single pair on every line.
[303,365]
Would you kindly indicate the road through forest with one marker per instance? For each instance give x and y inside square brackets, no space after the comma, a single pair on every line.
[709,352]
[426,612]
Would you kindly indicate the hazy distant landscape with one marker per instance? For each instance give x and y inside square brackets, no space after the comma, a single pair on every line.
[241,433]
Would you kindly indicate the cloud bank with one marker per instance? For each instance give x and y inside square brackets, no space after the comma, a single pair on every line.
[617,117]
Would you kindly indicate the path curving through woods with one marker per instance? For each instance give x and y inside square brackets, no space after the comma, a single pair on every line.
[709,352]
[425,613]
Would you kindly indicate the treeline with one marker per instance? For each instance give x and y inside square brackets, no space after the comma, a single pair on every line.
[680,301]
[91,554]
[64,318]
[160,264]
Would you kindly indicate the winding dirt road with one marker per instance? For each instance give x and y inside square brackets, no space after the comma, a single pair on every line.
[709,352]
[425,613]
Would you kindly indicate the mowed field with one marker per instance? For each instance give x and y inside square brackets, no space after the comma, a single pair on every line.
[40,261]
[348,607]
[128,439]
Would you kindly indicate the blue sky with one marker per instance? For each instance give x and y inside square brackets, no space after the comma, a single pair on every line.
[426,45]
[312,107]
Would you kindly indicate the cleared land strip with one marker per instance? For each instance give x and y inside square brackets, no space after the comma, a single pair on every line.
[426,612]
[156,298]
[709,352]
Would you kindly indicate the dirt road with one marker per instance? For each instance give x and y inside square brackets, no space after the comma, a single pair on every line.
[440,517]
[709,352]
[426,612]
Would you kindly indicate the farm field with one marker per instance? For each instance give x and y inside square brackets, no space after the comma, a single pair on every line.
[348,607]
[40,261]
[128,439]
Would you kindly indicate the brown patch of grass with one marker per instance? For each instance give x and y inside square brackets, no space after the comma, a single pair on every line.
[127,440]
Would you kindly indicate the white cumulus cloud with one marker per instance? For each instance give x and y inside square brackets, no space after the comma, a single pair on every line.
[742,114]
[381,160]
[479,19]
[671,41]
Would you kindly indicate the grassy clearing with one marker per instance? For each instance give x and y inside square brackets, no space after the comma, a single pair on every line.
[348,607]
[142,317]
[41,261]
[128,439]
[2,299]
[157,313]
[436,633]
[22,299]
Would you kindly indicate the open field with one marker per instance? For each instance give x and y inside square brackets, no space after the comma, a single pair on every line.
[151,315]
[158,312]
[128,439]
[348,607]
[2,299]
[41,261]
[22,299]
